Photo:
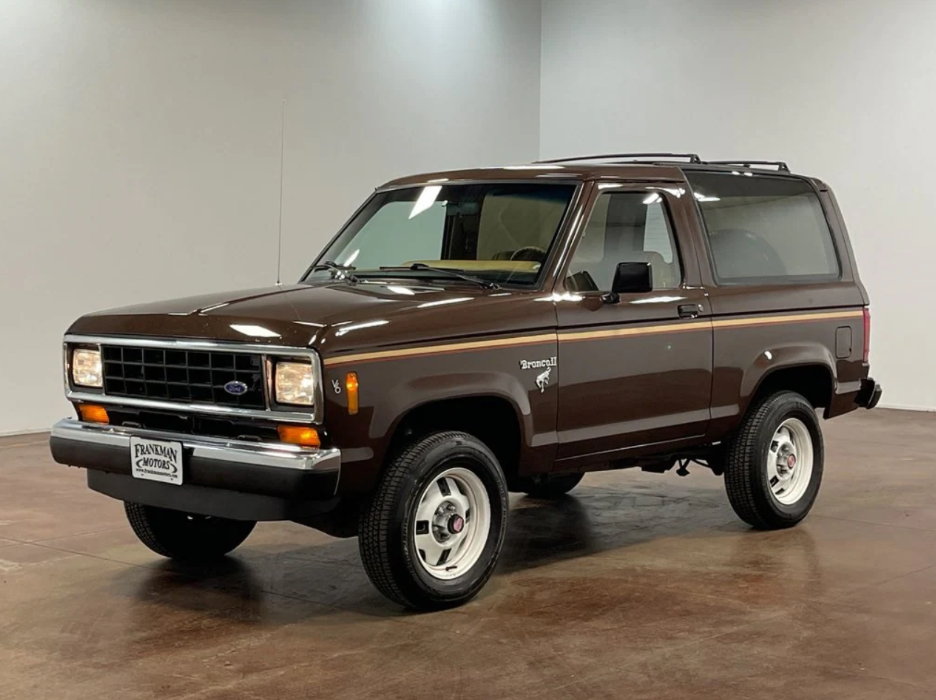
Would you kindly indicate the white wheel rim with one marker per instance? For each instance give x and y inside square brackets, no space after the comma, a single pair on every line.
[452,523]
[790,461]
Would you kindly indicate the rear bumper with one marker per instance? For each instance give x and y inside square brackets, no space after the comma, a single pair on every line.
[869,394]
[221,477]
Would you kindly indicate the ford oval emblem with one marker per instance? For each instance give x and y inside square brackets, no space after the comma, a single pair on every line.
[235,388]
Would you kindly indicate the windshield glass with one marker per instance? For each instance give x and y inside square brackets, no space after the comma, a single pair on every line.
[500,233]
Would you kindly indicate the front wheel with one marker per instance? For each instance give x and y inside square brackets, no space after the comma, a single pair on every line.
[773,466]
[431,535]
[185,536]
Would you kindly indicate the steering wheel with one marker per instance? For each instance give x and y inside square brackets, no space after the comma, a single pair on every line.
[530,253]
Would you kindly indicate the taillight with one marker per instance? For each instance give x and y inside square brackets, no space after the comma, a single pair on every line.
[867,335]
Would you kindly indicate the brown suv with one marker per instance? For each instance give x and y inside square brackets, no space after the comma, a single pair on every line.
[475,332]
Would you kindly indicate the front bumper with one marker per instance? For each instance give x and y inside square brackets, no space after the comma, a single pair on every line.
[221,477]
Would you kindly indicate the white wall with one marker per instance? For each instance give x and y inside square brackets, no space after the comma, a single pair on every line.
[842,89]
[139,143]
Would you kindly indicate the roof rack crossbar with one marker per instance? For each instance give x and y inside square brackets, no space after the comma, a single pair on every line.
[780,165]
[691,157]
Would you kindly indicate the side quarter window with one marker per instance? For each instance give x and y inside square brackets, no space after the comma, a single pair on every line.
[763,229]
[625,227]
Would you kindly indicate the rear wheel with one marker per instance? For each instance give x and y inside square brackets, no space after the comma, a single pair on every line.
[548,486]
[773,466]
[431,535]
[185,536]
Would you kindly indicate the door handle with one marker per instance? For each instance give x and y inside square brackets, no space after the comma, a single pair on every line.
[689,310]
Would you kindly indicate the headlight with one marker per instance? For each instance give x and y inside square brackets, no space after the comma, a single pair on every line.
[295,383]
[86,368]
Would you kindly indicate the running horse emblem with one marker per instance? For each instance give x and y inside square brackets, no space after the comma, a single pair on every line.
[542,379]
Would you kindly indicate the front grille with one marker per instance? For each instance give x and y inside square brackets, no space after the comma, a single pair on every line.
[194,376]
[193,424]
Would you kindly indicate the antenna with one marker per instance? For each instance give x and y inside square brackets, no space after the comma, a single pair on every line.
[279,235]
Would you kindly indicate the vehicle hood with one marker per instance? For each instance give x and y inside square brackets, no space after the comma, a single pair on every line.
[332,317]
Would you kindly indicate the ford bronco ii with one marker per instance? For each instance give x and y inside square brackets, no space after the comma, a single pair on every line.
[476,332]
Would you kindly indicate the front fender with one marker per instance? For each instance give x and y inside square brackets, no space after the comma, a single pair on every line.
[410,394]
[389,393]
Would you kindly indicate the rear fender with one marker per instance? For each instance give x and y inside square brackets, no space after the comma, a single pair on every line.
[782,357]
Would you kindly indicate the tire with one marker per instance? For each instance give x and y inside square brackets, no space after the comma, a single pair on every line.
[548,486]
[410,522]
[183,536]
[764,487]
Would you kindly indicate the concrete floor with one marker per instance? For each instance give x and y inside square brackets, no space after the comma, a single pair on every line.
[639,586]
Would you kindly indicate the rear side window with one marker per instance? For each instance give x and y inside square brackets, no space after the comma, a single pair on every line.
[764,230]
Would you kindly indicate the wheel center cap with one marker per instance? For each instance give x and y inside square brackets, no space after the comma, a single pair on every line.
[456,524]
[791,461]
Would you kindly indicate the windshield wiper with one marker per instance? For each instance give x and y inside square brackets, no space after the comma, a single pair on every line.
[450,272]
[343,272]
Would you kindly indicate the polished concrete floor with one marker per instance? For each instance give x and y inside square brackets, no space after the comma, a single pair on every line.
[637,586]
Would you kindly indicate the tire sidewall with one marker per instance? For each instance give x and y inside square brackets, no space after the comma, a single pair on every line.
[172,534]
[471,454]
[786,406]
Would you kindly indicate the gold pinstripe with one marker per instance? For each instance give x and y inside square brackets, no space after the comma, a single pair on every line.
[441,349]
[639,330]
[794,318]
[745,322]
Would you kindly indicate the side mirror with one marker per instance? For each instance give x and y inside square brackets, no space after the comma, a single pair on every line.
[629,278]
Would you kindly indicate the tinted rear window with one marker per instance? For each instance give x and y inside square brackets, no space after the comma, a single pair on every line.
[764,229]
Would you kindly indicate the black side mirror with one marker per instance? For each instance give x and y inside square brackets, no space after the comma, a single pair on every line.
[629,278]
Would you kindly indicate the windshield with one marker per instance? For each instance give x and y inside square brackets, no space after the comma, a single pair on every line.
[498,233]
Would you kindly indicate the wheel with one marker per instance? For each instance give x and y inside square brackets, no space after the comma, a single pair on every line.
[179,535]
[548,486]
[431,535]
[773,466]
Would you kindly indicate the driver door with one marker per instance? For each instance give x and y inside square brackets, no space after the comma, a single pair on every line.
[636,372]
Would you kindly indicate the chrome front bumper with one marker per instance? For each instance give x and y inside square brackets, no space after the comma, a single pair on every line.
[223,477]
[209,448]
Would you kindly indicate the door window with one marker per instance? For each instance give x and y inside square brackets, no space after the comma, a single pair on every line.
[625,227]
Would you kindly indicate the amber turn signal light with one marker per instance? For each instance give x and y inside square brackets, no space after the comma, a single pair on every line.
[351,386]
[299,435]
[93,414]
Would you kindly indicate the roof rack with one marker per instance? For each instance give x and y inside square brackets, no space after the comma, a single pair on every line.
[780,165]
[691,157]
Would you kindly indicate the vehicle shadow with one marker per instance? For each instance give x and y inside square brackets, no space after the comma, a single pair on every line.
[595,520]
[171,595]
[271,583]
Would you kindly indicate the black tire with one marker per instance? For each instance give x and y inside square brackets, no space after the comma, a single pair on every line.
[746,463]
[387,534]
[186,537]
[547,486]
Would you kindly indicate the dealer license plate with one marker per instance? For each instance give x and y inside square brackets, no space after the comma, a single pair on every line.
[156,460]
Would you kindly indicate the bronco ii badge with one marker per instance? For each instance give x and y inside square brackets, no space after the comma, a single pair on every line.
[542,379]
